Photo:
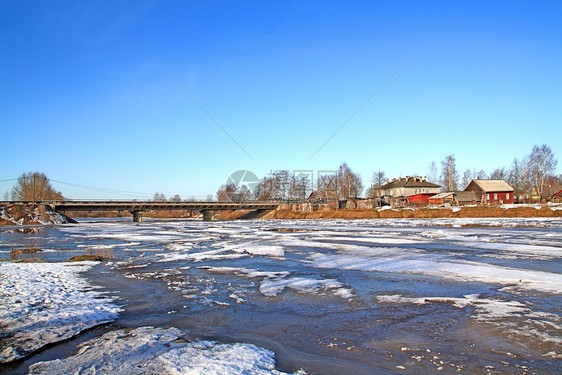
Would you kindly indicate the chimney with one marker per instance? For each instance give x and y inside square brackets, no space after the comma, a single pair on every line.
[388,180]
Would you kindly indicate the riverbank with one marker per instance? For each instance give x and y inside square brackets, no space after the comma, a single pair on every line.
[524,211]
[30,215]
[38,215]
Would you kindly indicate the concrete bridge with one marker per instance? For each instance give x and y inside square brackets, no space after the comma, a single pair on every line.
[138,207]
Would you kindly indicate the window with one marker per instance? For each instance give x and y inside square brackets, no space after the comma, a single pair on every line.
[495,196]
[487,197]
[506,196]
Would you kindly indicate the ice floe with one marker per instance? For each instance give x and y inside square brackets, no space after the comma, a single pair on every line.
[445,267]
[512,316]
[149,350]
[274,283]
[42,303]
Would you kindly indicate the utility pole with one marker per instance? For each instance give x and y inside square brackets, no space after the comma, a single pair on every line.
[337,196]
[33,187]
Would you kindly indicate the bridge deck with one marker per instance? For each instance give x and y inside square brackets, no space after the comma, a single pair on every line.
[150,206]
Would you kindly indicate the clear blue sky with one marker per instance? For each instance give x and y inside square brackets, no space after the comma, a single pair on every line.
[82,100]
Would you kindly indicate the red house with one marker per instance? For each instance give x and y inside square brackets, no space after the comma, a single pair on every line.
[492,191]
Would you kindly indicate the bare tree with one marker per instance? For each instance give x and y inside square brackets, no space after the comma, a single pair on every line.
[327,182]
[378,180]
[282,183]
[234,193]
[226,192]
[348,183]
[176,199]
[449,174]
[266,189]
[542,164]
[34,187]
[499,174]
[480,175]
[433,173]
[278,186]
[159,197]
[300,186]
[515,177]
[466,178]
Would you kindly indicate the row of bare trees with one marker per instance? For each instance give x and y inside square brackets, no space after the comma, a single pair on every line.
[286,186]
[160,197]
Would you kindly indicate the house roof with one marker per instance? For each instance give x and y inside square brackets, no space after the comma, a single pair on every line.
[466,196]
[551,190]
[491,185]
[409,182]
[441,195]
[323,194]
[462,196]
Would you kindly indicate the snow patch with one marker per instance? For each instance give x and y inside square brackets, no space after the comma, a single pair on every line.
[270,287]
[274,283]
[445,267]
[42,303]
[148,350]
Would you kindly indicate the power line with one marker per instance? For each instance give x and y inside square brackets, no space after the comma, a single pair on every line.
[100,189]
[201,108]
[360,107]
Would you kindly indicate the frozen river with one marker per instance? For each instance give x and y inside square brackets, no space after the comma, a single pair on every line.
[332,296]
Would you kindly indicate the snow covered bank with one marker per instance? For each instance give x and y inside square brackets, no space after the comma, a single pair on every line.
[30,215]
[148,350]
[42,303]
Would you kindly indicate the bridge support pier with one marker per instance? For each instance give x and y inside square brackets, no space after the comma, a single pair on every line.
[137,216]
[208,215]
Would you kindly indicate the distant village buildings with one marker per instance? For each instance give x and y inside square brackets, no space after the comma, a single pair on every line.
[551,192]
[418,192]
[320,197]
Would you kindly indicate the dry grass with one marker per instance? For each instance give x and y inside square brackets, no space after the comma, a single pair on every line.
[31,260]
[16,254]
[97,255]
[465,212]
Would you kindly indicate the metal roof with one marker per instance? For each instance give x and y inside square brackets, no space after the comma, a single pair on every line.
[466,196]
[492,185]
[409,182]
[441,195]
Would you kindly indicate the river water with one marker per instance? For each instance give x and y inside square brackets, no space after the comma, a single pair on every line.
[334,296]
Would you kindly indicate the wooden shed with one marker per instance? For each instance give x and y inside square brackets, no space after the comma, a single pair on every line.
[441,199]
[491,191]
